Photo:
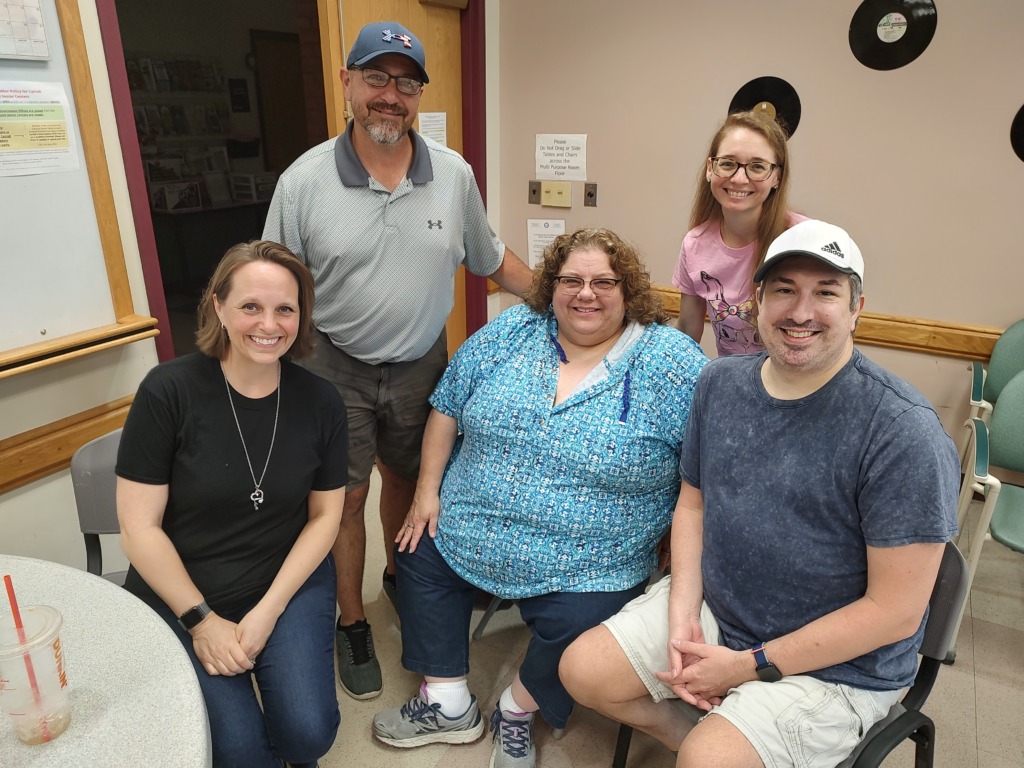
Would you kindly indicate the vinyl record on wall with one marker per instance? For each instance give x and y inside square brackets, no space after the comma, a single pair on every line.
[888,34]
[772,96]
[1017,133]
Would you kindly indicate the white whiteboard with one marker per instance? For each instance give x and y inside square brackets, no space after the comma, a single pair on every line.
[53,277]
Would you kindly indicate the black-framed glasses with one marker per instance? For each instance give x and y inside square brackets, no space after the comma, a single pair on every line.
[602,286]
[410,86]
[756,170]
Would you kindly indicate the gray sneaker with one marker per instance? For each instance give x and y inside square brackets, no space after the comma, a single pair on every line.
[416,723]
[358,668]
[513,741]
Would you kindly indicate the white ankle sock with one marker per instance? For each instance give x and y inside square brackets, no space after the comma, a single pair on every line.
[507,703]
[454,697]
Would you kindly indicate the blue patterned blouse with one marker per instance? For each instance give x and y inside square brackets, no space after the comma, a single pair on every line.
[541,498]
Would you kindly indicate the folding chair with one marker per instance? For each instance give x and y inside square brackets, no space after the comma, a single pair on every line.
[999,444]
[92,475]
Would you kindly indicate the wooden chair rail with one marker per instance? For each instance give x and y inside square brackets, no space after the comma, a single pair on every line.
[933,337]
[47,449]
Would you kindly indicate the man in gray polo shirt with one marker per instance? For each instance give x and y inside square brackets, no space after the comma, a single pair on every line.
[383,218]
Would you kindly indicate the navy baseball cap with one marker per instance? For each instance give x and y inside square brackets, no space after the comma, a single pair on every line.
[382,38]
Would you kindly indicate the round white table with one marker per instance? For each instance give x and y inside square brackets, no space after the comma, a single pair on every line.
[135,700]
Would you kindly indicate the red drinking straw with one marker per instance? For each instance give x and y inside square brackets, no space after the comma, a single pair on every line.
[36,697]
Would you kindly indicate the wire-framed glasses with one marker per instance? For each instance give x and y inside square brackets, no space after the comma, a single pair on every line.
[602,286]
[410,86]
[756,170]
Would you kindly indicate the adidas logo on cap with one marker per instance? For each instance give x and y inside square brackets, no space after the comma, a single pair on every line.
[807,238]
[834,249]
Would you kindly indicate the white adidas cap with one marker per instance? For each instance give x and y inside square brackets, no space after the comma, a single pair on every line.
[817,239]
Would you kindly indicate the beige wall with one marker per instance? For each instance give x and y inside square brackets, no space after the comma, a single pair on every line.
[895,157]
[39,519]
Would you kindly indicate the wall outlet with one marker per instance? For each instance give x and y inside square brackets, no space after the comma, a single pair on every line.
[590,194]
[534,198]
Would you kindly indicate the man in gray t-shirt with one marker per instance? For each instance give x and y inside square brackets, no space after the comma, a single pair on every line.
[818,492]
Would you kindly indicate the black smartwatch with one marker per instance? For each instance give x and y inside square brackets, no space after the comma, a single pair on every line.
[766,671]
[191,618]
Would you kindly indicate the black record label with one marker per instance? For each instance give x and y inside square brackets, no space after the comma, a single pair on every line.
[770,96]
[888,34]
[1017,133]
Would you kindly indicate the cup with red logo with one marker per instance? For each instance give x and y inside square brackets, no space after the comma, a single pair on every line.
[33,679]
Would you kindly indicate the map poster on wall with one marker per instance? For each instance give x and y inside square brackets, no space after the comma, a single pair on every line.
[36,135]
[22,34]
[562,156]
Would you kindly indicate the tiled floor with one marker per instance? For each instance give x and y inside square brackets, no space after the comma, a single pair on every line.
[977,704]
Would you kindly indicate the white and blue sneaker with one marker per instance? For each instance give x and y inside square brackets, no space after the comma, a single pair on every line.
[513,740]
[418,722]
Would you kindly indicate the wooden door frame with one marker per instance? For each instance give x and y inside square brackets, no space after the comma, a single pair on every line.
[474,137]
[131,154]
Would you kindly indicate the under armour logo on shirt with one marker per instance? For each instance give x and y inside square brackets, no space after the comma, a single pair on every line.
[432,224]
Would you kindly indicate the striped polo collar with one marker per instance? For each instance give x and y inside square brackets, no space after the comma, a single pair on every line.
[353,174]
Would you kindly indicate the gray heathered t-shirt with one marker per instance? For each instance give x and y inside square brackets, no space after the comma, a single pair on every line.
[794,490]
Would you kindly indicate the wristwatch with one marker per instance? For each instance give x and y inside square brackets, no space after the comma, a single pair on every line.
[191,618]
[766,671]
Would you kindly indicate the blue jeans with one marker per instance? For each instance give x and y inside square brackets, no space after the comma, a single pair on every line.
[295,674]
[436,605]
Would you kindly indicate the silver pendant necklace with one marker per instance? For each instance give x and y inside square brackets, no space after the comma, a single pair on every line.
[257,495]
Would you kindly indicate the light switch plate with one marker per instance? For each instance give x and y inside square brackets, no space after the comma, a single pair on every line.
[556,193]
[590,194]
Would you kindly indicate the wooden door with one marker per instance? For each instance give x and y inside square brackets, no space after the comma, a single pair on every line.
[280,96]
[440,32]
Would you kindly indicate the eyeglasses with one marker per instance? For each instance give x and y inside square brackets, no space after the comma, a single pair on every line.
[602,286]
[756,170]
[410,86]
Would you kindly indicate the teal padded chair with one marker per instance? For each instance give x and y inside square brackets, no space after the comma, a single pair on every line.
[905,719]
[1000,443]
[987,383]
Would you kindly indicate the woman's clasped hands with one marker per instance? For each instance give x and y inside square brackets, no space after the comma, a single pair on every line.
[226,648]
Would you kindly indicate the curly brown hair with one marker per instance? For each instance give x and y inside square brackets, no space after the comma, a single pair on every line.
[211,339]
[642,304]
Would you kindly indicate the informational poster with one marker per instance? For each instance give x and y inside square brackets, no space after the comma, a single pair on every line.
[539,234]
[562,156]
[22,34]
[35,133]
[434,125]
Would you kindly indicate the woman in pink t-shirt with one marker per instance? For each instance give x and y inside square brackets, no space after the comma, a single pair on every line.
[739,208]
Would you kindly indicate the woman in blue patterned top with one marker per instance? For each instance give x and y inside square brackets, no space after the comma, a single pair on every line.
[549,474]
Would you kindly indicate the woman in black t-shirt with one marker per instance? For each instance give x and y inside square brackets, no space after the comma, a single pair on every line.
[231,479]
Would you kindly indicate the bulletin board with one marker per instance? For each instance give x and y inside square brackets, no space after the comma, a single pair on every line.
[66,290]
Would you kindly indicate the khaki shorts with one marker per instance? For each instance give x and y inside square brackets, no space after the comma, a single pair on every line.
[387,405]
[797,721]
